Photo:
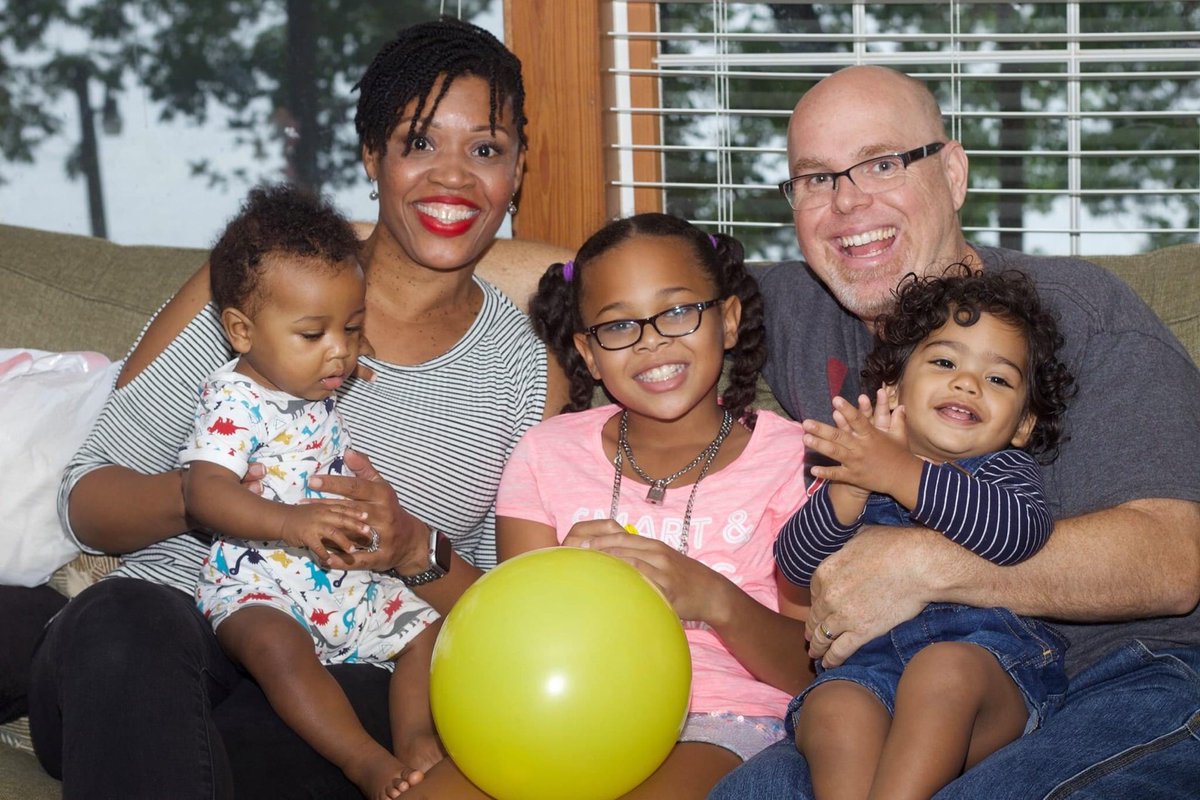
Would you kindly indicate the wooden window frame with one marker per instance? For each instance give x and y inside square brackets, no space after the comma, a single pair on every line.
[563,47]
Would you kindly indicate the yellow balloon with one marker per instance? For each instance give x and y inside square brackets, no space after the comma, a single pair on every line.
[562,673]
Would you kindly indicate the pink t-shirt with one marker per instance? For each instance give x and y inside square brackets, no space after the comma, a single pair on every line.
[558,475]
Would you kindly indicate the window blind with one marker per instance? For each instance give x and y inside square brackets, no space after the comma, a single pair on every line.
[1081,119]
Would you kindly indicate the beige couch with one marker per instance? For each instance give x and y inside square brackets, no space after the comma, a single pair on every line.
[63,292]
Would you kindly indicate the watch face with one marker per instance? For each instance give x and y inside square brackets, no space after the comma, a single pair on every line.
[441,551]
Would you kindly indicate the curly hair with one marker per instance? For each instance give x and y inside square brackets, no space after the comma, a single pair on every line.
[923,305]
[408,67]
[556,315]
[277,219]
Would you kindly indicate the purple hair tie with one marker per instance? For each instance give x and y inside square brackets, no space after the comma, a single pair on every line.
[569,270]
[712,238]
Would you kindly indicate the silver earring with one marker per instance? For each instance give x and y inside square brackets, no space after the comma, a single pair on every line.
[512,208]
[374,191]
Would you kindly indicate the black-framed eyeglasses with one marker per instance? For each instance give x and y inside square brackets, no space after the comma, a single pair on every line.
[676,321]
[872,176]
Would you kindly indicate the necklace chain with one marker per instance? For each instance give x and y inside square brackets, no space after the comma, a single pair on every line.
[658,488]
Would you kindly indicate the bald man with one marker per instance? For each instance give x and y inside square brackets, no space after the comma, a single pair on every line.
[1120,575]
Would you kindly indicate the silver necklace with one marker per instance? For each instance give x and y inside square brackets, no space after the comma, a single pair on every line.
[658,487]
[708,455]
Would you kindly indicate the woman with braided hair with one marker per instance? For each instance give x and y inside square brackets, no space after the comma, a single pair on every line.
[454,377]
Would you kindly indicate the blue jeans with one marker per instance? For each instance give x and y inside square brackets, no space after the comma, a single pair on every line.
[1129,727]
[1030,651]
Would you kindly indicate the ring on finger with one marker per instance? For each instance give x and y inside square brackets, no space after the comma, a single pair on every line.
[373,547]
[828,634]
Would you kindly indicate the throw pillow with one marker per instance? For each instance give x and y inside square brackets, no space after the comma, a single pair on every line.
[48,402]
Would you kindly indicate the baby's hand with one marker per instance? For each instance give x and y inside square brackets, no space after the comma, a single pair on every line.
[318,526]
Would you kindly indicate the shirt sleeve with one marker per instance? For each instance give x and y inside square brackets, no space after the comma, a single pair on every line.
[518,496]
[998,513]
[810,536]
[144,422]
[223,433]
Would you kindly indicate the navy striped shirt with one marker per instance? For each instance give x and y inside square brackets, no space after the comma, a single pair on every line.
[997,512]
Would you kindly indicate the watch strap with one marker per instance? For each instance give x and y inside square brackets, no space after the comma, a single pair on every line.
[435,569]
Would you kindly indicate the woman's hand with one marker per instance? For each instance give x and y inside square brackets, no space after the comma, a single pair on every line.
[253,478]
[694,590]
[403,539]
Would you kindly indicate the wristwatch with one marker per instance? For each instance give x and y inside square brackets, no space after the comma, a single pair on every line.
[439,560]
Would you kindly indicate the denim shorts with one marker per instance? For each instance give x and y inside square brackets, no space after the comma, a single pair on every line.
[1030,651]
[741,735]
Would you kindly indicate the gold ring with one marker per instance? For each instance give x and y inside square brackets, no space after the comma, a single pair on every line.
[824,629]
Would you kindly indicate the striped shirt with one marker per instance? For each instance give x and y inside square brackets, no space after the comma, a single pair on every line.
[439,431]
[997,511]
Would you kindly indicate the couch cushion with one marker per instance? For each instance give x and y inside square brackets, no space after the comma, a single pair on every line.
[1169,281]
[66,292]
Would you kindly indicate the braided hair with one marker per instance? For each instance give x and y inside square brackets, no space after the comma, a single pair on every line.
[278,219]
[408,67]
[923,305]
[554,309]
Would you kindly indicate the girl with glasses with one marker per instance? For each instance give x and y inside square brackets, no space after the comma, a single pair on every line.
[652,308]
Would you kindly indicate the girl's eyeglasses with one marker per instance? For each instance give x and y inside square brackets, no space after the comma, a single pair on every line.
[674,322]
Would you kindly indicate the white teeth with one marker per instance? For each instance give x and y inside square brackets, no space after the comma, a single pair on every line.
[866,238]
[665,372]
[966,412]
[447,213]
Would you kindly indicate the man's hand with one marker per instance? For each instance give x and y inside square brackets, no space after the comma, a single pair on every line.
[865,589]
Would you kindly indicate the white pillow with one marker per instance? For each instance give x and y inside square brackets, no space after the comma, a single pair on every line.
[48,402]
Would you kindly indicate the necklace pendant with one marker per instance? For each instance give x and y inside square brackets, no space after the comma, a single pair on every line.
[656,494]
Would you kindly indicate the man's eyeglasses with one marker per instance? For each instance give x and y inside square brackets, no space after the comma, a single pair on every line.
[872,176]
[674,322]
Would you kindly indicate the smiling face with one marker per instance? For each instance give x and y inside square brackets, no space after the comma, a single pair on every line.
[861,245]
[444,200]
[660,377]
[965,390]
[304,336]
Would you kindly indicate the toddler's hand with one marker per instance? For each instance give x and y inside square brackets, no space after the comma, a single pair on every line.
[869,457]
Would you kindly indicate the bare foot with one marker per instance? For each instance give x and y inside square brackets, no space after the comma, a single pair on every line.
[422,751]
[381,776]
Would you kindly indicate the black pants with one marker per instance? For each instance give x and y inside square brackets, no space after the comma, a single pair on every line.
[23,613]
[132,697]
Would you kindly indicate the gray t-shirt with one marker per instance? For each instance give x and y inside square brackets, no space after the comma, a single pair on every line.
[1134,425]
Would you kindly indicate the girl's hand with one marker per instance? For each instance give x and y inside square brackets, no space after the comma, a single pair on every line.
[582,533]
[694,590]
[403,539]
